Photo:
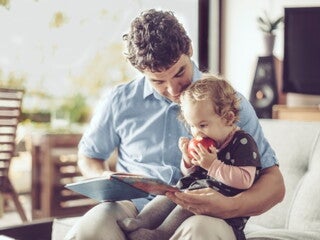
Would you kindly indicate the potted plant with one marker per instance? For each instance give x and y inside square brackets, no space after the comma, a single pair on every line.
[268,27]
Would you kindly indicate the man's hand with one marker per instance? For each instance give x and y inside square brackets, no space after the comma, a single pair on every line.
[204,201]
[263,195]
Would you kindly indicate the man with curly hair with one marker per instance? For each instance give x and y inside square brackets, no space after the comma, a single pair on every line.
[139,119]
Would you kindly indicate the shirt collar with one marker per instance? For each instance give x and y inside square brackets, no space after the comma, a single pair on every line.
[148,89]
[196,73]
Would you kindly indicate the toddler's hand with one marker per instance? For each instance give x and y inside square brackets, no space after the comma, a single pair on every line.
[203,157]
[183,146]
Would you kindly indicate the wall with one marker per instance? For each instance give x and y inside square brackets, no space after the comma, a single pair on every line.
[242,40]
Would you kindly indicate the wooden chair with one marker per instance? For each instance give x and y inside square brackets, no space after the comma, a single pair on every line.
[10,110]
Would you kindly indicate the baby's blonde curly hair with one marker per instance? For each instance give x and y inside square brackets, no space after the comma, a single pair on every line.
[216,89]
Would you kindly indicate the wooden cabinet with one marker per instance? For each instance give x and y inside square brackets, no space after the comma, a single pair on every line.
[303,113]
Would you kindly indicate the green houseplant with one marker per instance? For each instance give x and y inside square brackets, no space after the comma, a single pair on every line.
[268,27]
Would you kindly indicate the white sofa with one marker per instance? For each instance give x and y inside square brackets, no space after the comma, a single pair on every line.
[297,145]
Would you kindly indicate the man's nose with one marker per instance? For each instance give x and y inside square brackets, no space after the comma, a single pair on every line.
[174,88]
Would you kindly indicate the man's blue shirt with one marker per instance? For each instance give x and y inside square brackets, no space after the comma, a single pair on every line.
[144,126]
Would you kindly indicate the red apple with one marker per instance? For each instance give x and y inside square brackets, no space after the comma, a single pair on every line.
[206,142]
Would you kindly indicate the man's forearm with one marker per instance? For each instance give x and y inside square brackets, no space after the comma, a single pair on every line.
[91,167]
[263,195]
[268,191]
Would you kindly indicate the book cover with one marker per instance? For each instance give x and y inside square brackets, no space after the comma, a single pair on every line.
[120,186]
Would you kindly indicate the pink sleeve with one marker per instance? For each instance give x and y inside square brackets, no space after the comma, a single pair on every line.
[185,171]
[233,176]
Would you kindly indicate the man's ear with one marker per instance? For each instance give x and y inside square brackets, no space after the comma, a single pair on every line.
[190,51]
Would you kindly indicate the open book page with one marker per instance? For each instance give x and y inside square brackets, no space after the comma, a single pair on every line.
[152,186]
[109,174]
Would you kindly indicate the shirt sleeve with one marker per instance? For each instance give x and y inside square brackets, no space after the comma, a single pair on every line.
[233,176]
[249,122]
[100,139]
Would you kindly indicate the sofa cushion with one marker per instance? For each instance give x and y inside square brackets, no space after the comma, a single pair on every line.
[259,233]
[305,211]
[292,141]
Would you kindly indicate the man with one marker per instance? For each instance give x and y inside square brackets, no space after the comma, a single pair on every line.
[140,120]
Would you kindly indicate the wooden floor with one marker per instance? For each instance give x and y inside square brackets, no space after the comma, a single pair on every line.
[12,227]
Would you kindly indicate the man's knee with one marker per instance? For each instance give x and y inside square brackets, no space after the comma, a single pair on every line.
[101,221]
[200,227]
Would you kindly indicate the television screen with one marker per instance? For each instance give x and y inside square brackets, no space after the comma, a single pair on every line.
[301,63]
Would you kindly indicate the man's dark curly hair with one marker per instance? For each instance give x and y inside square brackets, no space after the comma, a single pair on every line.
[156,41]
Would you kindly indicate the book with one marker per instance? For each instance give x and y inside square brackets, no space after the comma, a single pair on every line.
[121,186]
